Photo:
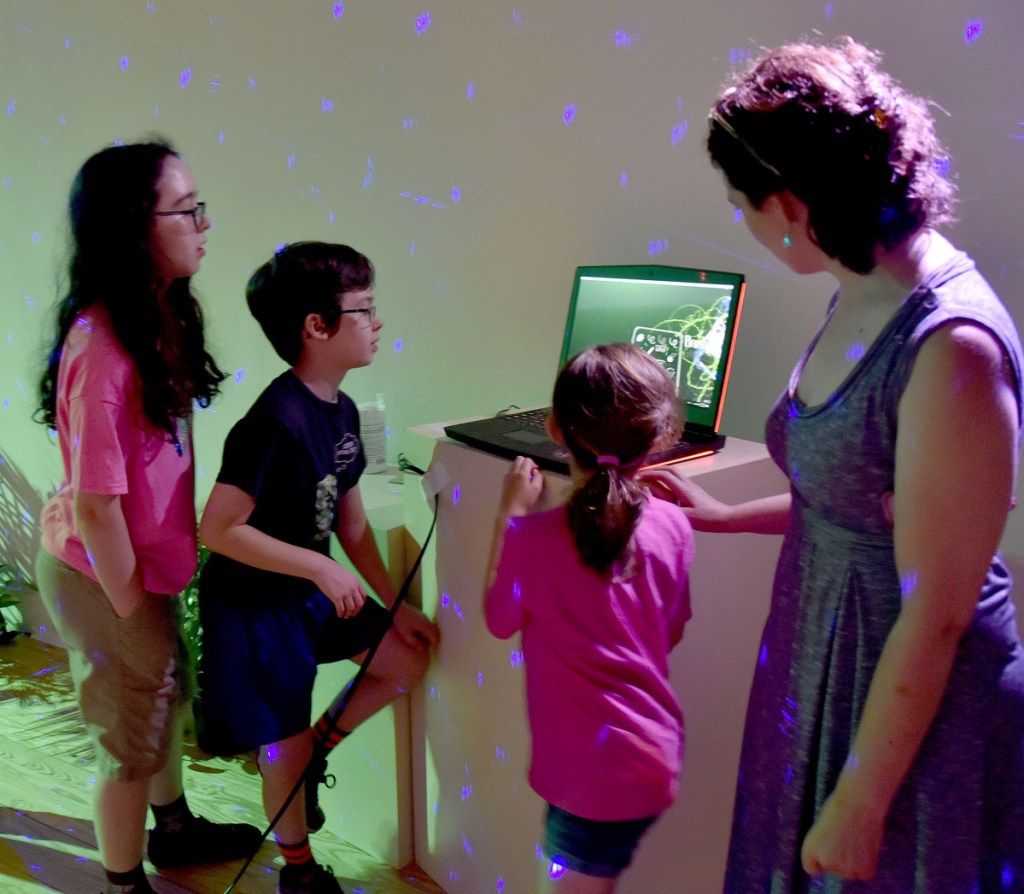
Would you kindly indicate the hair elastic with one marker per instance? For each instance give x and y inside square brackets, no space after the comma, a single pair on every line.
[607,460]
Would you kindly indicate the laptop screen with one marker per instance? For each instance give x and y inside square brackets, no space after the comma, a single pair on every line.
[683,317]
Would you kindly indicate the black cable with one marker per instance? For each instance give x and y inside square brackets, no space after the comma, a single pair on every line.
[344,698]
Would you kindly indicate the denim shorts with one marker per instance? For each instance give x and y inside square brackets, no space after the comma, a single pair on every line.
[592,847]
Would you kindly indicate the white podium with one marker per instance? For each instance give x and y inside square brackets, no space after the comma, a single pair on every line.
[477,824]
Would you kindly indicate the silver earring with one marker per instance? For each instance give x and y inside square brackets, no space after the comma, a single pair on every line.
[787,241]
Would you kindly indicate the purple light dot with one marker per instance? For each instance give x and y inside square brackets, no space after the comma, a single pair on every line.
[252,83]
[737,215]
[272,752]
[67,43]
[855,351]
[467,845]
[456,494]
[239,375]
[470,90]
[557,870]
[422,22]
[327,105]
[623,40]
[124,63]
[973,30]
[35,237]
[186,76]
[11,106]
[501,885]
[908,584]
[679,131]
[568,115]
[467,792]
[456,194]
[399,344]
[338,11]
[829,9]
[624,179]
[445,600]
[220,138]
[291,160]
[479,678]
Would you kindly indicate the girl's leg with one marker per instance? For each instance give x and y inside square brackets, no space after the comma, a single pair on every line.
[121,822]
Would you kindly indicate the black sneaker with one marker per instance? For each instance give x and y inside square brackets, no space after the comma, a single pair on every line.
[315,775]
[200,841]
[306,880]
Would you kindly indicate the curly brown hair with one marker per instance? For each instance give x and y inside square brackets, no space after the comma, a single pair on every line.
[827,124]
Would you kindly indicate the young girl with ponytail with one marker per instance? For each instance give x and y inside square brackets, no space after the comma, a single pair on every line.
[599,589]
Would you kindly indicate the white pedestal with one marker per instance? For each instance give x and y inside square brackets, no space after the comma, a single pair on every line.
[477,823]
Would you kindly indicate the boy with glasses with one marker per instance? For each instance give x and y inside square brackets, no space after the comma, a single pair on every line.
[273,603]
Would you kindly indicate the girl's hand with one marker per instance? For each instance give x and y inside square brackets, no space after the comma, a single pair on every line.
[671,484]
[845,839]
[524,484]
[342,587]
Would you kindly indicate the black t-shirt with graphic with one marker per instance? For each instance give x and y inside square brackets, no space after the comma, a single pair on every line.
[296,456]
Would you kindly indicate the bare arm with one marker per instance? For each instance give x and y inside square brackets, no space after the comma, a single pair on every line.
[224,530]
[356,537]
[948,517]
[105,535]
[768,515]
[522,488]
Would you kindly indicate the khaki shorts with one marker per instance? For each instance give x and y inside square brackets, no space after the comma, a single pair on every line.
[131,674]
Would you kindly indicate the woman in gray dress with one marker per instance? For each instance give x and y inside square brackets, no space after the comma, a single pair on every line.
[884,741]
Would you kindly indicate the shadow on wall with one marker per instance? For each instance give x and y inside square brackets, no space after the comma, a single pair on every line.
[20,507]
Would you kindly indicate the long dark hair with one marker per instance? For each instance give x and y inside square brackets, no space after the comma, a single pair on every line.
[111,265]
[613,404]
[826,123]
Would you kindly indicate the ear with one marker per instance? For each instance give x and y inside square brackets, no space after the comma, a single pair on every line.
[554,430]
[793,210]
[313,327]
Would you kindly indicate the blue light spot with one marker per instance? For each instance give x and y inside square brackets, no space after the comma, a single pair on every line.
[445,600]
[908,584]
[479,678]
[368,176]
[186,76]
[973,30]
[272,752]
[737,216]
[515,658]
[220,138]
[422,22]
[239,375]
[568,115]
[500,753]
[291,160]
[467,845]
[456,194]
[252,83]
[762,658]
[458,610]
[501,885]
[829,9]
[517,591]
[326,105]
[470,90]
[942,166]
[11,106]
[1008,876]
[338,11]
[517,17]
[67,43]
[623,40]
[399,344]
[467,792]
[556,870]
[623,179]
[387,431]
[124,63]
[855,351]
[456,494]
[679,131]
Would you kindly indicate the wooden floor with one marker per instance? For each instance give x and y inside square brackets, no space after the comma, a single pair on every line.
[47,841]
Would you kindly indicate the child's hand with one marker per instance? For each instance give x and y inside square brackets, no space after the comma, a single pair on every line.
[415,628]
[342,587]
[523,486]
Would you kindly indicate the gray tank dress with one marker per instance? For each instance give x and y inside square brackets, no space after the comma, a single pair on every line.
[957,823]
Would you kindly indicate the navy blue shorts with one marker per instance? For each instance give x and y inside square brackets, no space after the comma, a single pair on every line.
[591,847]
[258,663]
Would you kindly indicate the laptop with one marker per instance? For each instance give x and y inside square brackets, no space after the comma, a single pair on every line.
[685,318]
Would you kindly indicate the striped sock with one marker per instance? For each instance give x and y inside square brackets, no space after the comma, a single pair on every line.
[299,854]
[325,739]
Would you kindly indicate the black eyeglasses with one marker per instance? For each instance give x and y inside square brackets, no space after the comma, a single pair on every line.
[370,312]
[198,214]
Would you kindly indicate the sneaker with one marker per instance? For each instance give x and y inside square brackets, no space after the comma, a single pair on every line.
[304,880]
[200,841]
[316,774]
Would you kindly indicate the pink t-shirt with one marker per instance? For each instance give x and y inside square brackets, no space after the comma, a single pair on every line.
[606,724]
[109,447]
